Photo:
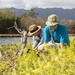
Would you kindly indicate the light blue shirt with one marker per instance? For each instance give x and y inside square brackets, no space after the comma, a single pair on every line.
[60,34]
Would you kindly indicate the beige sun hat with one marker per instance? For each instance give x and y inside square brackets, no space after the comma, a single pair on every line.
[33,29]
[52,20]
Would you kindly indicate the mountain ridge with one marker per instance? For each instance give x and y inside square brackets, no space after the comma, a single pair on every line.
[44,13]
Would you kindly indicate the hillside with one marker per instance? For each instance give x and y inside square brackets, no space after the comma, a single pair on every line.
[62,13]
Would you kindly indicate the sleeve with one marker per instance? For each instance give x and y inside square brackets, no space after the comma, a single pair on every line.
[33,42]
[47,36]
[64,35]
[41,41]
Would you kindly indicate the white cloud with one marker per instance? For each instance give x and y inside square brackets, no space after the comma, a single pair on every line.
[28,4]
[11,3]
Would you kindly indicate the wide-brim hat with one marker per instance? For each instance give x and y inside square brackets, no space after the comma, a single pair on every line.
[52,20]
[33,29]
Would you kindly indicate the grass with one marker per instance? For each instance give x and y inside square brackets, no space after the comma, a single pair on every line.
[56,62]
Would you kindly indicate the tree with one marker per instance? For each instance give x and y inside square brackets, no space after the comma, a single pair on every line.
[7,18]
[31,13]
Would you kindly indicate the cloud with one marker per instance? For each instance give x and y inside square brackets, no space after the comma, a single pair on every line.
[11,3]
[28,4]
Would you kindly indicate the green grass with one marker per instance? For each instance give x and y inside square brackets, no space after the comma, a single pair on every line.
[56,62]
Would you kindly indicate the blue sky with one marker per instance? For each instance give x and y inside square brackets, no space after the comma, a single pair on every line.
[28,4]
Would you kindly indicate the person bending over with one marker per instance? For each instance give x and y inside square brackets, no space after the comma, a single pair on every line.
[55,34]
[37,33]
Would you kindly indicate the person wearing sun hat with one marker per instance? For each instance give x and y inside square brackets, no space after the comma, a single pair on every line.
[52,20]
[37,33]
[55,34]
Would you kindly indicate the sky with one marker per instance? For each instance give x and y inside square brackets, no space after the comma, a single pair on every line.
[29,4]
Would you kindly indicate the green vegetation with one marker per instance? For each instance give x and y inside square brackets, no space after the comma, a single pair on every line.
[7,19]
[56,62]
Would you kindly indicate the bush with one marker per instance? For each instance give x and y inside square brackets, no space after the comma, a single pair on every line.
[57,62]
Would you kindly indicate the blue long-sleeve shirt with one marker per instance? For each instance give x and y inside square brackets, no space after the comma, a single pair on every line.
[60,34]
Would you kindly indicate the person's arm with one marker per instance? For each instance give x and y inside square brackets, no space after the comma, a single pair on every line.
[41,38]
[63,36]
[52,37]
[33,46]
[61,45]
[47,36]
[41,41]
